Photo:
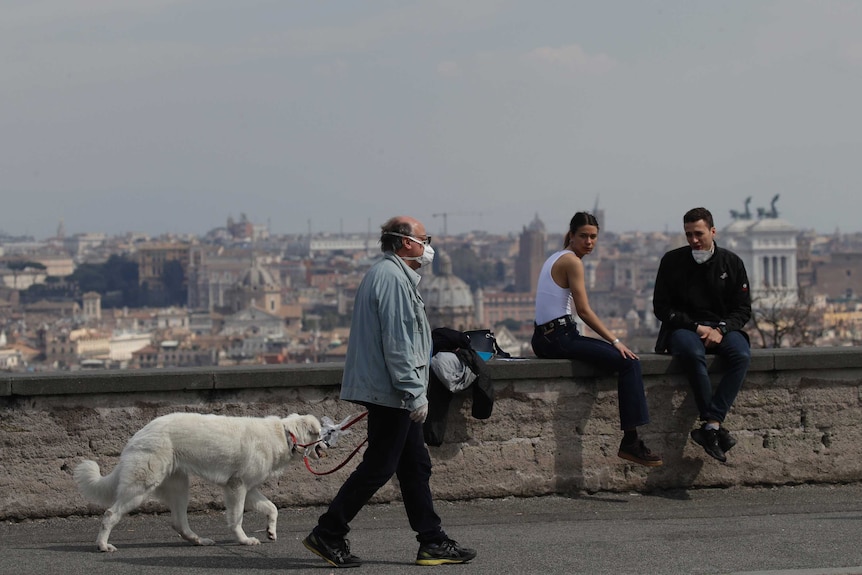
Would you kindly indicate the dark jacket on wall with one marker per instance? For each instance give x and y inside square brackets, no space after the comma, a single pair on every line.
[439,396]
[686,293]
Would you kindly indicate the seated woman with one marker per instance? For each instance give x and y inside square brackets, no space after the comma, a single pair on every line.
[561,284]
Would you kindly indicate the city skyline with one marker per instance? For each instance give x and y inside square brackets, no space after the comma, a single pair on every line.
[435,229]
[169,116]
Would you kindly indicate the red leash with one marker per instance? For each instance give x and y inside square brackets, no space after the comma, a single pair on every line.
[349,457]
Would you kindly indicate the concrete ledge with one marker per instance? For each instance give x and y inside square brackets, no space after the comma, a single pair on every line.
[95,382]
[809,358]
[555,428]
[329,374]
[321,374]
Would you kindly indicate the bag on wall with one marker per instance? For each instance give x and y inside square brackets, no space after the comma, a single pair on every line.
[483,342]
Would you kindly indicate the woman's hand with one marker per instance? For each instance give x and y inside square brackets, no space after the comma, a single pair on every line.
[624,351]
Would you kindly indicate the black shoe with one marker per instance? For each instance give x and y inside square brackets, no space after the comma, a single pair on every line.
[443,553]
[639,453]
[336,553]
[708,439]
[725,439]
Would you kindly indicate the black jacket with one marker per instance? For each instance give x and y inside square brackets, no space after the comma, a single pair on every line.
[687,293]
[439,397]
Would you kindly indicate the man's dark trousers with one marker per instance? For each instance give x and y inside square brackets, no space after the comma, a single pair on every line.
[396,446]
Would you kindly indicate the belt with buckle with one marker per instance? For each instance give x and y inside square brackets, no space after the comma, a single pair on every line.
[564,321]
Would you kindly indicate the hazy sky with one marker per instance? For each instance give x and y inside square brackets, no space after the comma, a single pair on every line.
[171,115]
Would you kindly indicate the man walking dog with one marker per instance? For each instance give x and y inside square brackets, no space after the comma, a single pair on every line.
[386,370]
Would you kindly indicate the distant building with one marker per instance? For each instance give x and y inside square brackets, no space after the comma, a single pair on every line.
[90,344]
[532,253]
[53,309]
[338,243]
[257,287]
[171,353]
[152,259]
[10,359]
[56,266]
[172,318]
[92,308]
[212,272]
[840,277]
[123,345]
[253,321]
[80,244]
[66,349]
[498,306]
[768,249]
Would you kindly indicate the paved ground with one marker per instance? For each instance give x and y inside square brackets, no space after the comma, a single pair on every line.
[802,530]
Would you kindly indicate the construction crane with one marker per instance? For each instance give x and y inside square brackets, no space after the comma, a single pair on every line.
[445,216]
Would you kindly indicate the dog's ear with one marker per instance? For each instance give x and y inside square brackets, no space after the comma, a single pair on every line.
[312,424]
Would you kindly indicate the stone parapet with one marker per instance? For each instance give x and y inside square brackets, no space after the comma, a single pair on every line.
[555,428]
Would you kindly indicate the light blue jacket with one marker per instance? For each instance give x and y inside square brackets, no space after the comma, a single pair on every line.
[389,350]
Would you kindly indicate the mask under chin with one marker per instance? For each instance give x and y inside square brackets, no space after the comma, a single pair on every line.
[701,256]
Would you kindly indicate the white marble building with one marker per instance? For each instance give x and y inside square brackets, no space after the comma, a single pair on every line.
[767,246]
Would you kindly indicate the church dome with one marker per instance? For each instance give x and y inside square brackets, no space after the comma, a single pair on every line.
[257,277]
[448,300]
[446,291]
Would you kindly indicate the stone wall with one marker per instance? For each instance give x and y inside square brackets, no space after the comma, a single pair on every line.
[555,428]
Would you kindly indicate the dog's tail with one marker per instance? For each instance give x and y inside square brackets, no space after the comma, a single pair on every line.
[93,486]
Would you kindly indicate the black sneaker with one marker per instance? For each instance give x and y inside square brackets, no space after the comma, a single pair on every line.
[639,453]
[708,439]
[725,439]
[443,553]
[336,553]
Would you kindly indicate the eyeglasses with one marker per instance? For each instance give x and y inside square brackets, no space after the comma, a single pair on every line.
[426,241]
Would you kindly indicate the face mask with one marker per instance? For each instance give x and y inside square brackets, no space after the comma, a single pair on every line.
[700,256]
[425,259]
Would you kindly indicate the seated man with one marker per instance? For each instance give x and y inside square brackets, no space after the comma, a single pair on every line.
[702,299]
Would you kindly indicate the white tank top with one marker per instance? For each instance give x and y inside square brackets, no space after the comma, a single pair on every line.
[552,301]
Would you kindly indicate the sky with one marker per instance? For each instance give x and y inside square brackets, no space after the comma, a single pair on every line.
[169,116]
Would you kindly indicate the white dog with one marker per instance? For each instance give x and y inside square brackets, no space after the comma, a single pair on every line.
[238,453]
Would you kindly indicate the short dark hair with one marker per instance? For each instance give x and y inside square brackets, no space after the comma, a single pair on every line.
[578,220]
[390,242]
[697,214]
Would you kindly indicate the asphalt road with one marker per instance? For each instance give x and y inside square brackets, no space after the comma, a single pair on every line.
[801,530]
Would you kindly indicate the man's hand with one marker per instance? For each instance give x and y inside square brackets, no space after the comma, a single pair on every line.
[419,414]
[710,336]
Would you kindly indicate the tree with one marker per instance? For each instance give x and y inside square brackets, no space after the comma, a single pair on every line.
[116,281]
[782,320]
[19,266]
[90,277]
[173,278]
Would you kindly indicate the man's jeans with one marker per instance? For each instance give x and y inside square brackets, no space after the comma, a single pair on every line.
[734,349]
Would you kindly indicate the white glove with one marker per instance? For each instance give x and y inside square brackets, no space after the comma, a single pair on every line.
[419,414]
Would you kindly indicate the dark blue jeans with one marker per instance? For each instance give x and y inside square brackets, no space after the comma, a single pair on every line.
[734,348]
[567,343]
[396,446]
